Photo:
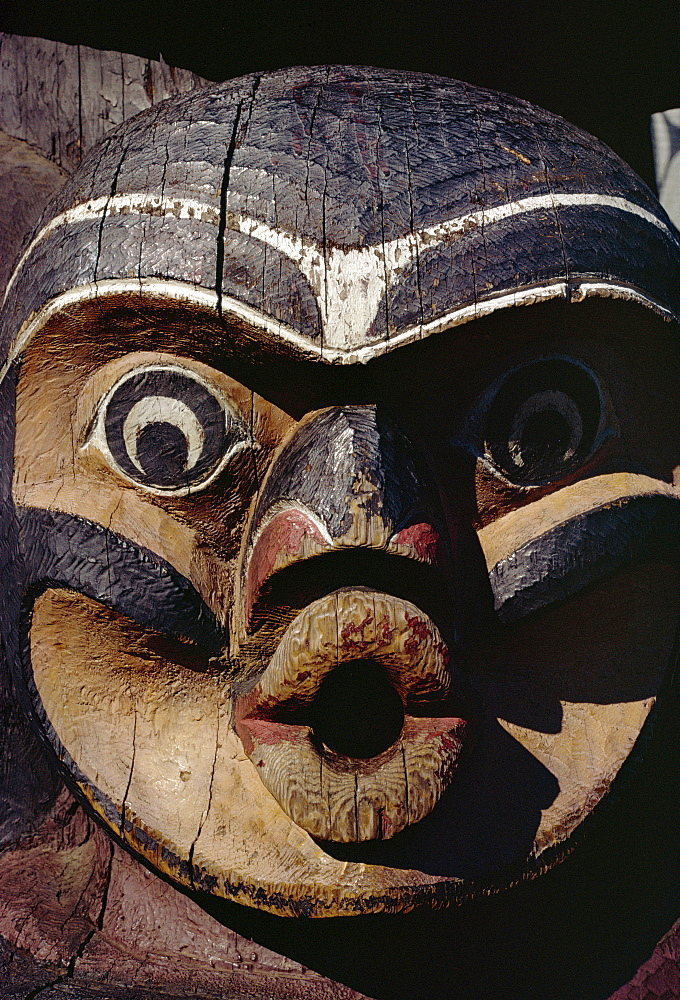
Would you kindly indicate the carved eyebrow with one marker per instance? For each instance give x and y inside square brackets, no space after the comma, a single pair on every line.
[548,551]
[582,550]
[182,291]
[67,550]
[359,277]
[368,270]
[348,283]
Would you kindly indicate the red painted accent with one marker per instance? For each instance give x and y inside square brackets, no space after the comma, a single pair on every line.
[435,726]
[283,534]
[242,707]
[422,538]
[419,633]
[350,629]
[387,632]
[264,732]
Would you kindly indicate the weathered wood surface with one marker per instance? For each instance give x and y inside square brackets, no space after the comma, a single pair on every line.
[82,915]
[659,977]
[331,785]
[62,99]
[73,908]
[199,509]
[666,140]
[56,101]
[27,181]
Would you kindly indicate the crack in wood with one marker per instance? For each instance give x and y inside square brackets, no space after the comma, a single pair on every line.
[205,815]
[123,832]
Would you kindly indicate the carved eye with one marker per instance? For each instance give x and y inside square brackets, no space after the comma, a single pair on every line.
[166,429]
[543,421]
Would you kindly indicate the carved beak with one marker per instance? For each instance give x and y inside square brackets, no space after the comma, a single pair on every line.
[352,721]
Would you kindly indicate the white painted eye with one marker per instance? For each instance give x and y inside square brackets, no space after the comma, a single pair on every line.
[166,429]
[543,421]
[163,410]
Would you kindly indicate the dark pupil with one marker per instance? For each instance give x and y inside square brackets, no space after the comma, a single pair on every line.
[162,452]
[543,421]
[545,438]
[165,452]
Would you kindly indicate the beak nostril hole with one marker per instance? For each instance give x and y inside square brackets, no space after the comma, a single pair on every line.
[356,713]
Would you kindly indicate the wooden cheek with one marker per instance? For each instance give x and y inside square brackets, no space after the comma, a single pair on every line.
[575,683]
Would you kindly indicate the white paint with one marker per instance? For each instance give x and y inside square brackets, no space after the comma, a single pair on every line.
[164,410]
[349,284]
[576,292]
[183,415]
[295,506]
[342,457]
[97,209]
[152,289]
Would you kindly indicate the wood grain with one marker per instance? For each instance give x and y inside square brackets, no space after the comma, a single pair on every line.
[96,921]
[62,99]
[257,234]
[328,793]
[196,815]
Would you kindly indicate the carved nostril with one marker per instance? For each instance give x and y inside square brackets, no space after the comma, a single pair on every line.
[291,534]
[346,479]
[356,712]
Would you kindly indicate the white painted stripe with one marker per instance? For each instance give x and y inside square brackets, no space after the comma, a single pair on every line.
[177,291]
[284,507]
[348,283]
[97,209]
[152,288]
[524,297]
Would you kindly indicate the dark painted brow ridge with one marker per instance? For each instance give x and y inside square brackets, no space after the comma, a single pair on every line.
[65,550]
[583,550]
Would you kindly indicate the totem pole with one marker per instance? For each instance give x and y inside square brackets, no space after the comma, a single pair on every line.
[339,535]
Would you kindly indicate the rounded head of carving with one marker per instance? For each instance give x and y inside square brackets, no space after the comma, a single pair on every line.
[341,583]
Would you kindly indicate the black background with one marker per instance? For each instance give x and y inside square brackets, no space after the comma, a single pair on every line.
[606,66]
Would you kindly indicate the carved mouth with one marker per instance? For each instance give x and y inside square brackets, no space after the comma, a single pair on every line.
[353,726]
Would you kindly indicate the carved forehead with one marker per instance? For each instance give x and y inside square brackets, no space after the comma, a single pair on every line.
[344,211]
[351,155]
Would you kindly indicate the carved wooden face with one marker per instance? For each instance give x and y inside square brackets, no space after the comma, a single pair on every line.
[341,637]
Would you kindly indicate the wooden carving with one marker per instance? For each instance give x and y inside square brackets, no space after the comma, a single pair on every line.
[340,526]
